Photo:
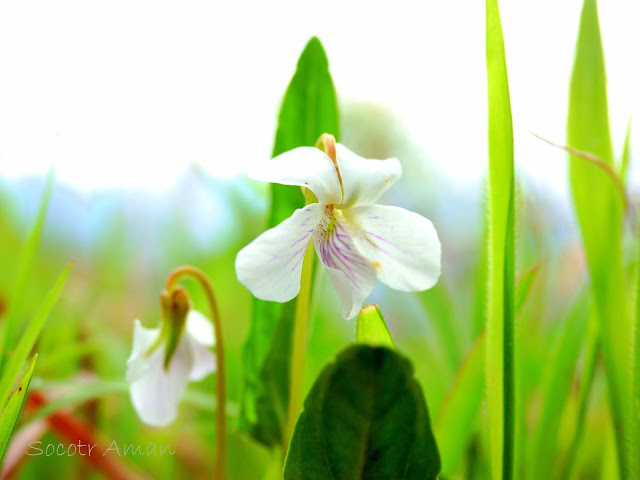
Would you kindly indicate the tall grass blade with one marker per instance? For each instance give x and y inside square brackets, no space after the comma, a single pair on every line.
[10,415]
[25,268]
[500,374]
[29,337]
[599,209]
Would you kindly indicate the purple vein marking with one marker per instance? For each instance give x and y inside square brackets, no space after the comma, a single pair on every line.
[302,238]
[384,240]
[351,265]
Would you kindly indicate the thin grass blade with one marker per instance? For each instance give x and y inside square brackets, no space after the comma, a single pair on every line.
[500,375]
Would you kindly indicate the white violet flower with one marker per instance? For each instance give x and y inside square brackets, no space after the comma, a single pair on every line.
[156,391]
[356,240]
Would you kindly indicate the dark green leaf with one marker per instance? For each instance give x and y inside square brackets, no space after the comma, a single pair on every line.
[309,109]
[365,418]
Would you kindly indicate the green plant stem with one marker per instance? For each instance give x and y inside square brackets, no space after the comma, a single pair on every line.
[221,427]
[299,347]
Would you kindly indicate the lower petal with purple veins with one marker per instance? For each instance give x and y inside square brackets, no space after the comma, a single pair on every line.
[353,275]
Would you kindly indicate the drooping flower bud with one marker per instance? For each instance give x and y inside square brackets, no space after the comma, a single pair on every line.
[175,306]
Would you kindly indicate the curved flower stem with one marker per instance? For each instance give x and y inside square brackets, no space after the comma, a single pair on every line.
[300,330]
[221,430]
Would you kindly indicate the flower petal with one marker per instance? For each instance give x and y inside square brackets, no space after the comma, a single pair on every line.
[204,362]
[365,180]
[306,167]
[143,339]
[353,276]
[200,328]
[155,396]
[403,245]
[200,336]
[271,265]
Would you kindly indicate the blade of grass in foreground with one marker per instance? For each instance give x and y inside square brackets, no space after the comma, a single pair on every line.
[28,339]
[599,209]
[11,413]
[500,373]
[25,267]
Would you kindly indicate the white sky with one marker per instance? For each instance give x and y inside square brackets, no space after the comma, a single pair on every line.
[128,93]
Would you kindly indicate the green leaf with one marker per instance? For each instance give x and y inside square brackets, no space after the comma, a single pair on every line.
[372,329]
[29,337]
[12,411]
[599,209]
[14,313]
[309,109]
[500,375]
[365,418]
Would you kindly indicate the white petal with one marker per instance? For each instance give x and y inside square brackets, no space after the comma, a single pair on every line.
[303,166]
[365,180]
[200,328]
[353,276]
[204,362]
[271,265]
[403,245]
[143,339]
[156,395]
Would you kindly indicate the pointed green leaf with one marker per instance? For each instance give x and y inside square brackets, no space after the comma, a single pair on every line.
[12,411]
[29,337]
[372,329]
[309,109]
[365,418]
[500,375]
[599,209]
[14,313]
